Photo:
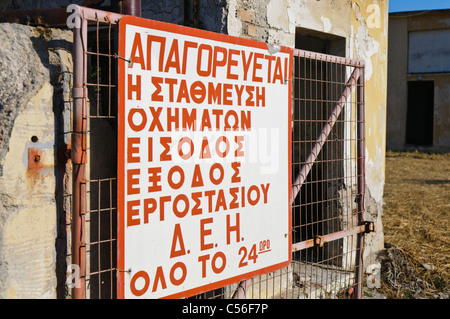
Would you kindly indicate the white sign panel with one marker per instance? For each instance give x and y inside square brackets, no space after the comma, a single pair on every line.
[203,159]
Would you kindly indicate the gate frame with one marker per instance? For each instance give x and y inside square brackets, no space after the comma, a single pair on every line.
[79,151]
[79,137]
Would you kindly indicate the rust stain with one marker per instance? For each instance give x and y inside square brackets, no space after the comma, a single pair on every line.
[35,164]
[34,159]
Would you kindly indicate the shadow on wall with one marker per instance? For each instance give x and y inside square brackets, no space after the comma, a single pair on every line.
[54,48]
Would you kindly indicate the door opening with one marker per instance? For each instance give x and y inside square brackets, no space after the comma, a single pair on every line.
[420,112]
[321,42]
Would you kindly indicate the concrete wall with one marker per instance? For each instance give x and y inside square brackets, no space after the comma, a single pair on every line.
[402,69]
[35,74]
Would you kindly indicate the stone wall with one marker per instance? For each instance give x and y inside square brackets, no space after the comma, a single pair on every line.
[35,75]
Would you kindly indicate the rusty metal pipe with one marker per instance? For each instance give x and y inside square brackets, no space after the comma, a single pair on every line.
[78,156]
[131,7]
[195,13]
[361,149]
[327,58]
[94,14]
[328,238]
[307,166]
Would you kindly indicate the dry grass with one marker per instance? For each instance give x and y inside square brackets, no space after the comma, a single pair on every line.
[416,218]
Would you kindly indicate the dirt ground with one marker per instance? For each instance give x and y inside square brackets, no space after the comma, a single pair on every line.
[416,216]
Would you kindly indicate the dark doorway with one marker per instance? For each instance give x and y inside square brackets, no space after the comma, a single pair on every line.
[419,117]
[321,42]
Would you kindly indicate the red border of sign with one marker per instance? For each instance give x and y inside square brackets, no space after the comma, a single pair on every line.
[164,26]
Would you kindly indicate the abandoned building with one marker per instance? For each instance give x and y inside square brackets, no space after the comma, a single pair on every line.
[53,218]
[418,81]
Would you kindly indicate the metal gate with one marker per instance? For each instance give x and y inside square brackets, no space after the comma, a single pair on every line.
[327,165]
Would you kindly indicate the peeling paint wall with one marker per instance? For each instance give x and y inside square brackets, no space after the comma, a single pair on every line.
[370,44]
[434,23]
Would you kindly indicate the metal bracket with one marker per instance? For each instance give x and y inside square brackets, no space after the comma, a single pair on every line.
[123,270]
[319,240]
[130,61]
[369,227]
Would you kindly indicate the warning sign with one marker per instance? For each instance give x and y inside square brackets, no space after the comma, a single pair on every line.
[203,159]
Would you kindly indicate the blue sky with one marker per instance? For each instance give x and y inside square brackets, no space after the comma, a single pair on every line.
[413,5]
